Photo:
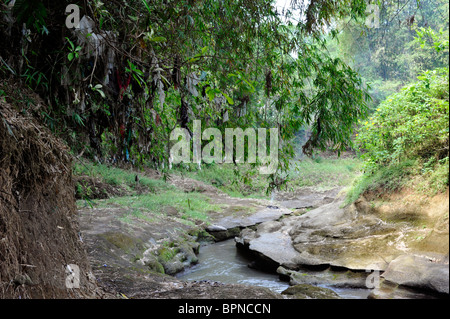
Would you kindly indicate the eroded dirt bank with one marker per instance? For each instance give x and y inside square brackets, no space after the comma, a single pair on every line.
[39,232]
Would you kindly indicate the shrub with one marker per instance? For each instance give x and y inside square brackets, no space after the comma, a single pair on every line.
[407,136]
[411,124]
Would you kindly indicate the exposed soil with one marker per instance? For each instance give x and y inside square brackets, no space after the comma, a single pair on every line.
[428,217]
[39,233]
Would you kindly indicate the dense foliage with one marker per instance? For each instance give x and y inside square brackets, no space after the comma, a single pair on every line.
[117,86]
[411,124]
[389,56]
[134,70]
[406,140]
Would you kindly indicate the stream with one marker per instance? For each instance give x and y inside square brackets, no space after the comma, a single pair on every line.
[222,262]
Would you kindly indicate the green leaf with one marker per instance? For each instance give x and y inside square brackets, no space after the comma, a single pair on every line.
[159,39]
[102,94]
[211,93]
[147,6]
[78,119]
[194,59]
[70,56]
[229,99]
[70,43]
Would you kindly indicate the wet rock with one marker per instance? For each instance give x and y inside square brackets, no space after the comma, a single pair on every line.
[173,266]
[389,290]
[330,235]
[328,277]
[176,256]
[275,247]
[262,215]
[215,228]
[236,219]
[418,272]
[189,251]
[153,264]
[304,291]
[220,233]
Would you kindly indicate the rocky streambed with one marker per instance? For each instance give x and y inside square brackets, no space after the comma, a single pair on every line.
[312,241]
[397,254]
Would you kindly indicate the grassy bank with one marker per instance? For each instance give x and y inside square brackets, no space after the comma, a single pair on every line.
[416,175]
[152,194]
[324,173]
[245,181]
[188,206]
[125,178]
[146,197]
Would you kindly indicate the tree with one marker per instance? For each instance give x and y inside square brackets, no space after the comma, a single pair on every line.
[389,57]
[142,67]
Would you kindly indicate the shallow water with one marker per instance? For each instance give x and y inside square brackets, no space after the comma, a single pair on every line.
[222,262]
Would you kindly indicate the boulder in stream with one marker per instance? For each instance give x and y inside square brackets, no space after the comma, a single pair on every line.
[327,236]
[418,272]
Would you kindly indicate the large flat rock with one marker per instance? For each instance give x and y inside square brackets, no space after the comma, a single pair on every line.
[306,198]
[359,238]
[418,272]
[277,246]
[329,235]
[262,215]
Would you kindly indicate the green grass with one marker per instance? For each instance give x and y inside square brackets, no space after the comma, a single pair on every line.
[413,174]
[191,206]
[439,178]
[386,179]
[119,177]
[240,181]
[324,173]
[321,173]
[152,203]
[139,214]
